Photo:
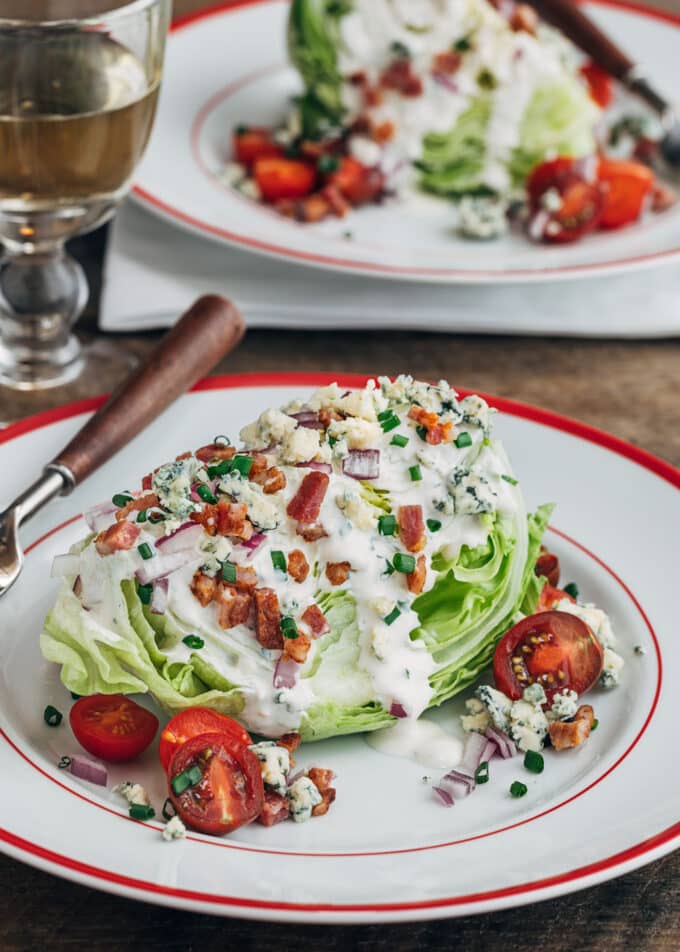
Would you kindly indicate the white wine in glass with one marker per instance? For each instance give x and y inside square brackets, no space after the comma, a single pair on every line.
[77,103]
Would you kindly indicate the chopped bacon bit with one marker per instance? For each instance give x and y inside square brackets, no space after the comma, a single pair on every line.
[312,208]
[311,533]
[336,201]
[373,96]
[384,132]
[298,566]
[274,809]
[315,619]
[216,452]
[203,587]
[258,467]
[548,566]
[411,527]
[147,482]
[524,19]
[320,777]
[291,742]
[359,78]
[328,796]
[233,607]
[268,618]
[226,518]
[306,503]
[338,572]
[663,197]
[275,481]
[246,578]
[447,62]
[416,579]
[326,417]
[437,432]
[399,76]
[117,538]
[148,501]
[566,734]
[183,456]
[297,649]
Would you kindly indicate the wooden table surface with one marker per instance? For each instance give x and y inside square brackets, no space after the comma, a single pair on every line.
[629,388]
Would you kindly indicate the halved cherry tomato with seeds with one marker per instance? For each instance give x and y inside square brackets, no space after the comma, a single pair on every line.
[358,183]
[197,720]
[554,649]
[215,784]
[284,178]
[112,727]
[564,204]
[625,186]
[254,143]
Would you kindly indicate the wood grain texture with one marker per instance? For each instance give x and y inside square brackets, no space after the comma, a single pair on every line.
[629,388]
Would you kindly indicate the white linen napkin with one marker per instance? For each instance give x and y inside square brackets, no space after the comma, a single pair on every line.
[154,270]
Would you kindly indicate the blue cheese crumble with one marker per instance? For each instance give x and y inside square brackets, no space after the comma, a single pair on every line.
[564,705]
[172,484]
[274,764]
[523,721]
[303,795]
[134,793]
[174,829]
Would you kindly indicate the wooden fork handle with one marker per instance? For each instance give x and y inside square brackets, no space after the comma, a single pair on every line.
[211,328]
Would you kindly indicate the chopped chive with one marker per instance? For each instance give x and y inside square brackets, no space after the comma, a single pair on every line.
[571,589]
[64,762]
[52,716]
[534,762]
[387,525]
[145,592]
[482,772]
[155,517]
[393,615]
[404,563]
[399,440]
[385,415]
[462,45]
[185,779]
[415,473]
[328,163]
[594,725]
[288,627]
[242,464]
[145,551]
[462,440]
[139,811]
[434,525]
[206,494]
[240,131]
[168,810]
[422,432]
[193,641]
[391,423]
[76,697]
[279,560]
[121,500]
[332,440]
[229,572]
[141,515]
[510,479]
[518,789]
[389,568]
[219,469]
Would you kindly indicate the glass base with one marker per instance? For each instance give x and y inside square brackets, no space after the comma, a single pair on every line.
[21,369]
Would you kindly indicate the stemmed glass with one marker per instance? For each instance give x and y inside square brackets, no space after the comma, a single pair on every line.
[78,97]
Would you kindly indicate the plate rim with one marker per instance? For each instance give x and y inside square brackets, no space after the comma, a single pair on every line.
[621,862]
[280,251]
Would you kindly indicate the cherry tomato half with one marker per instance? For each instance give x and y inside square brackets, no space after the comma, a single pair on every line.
[112,727]
[625,185]
[254,143]
[555,649]
[284,178]
[197,720]
[564,204]
[358,183]
[600,85]
[548,566]
[550,596]
[219,782]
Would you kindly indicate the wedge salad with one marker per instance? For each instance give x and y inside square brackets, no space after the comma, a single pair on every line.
[476,102]
[360,557]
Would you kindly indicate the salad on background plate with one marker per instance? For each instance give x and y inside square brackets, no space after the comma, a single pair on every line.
[360,557]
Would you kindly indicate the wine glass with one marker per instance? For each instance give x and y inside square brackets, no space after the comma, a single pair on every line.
[78,96]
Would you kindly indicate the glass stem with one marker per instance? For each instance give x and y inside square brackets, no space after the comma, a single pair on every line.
[41,296]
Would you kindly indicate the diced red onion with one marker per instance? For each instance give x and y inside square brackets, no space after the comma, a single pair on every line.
[457,785]
[159,597]
[161,565]
[489,751]
[63,565]
[443,80]
[290,780]
[475,745]
[312,464]
[443,796]
[251,545]
[398,710]
[505,746]
[286,673]
[97,517]
[362,464]
[88,769]
[308,419]
[181,539]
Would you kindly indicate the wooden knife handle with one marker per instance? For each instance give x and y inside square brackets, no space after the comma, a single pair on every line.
[584,33]
[211,328]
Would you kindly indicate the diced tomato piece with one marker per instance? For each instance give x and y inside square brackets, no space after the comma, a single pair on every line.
[290,741]
[384,132]
[600,84]
[268,618]
[447,62]
[411,527]
[233,607]
[550,596]
[578,201]
[305,505]
[315,619]
[215,452]
[255,143]
[337,573]
[284,178]
[415,580]
[400,78]
[297,649]
[327,797]
[320,777]
[117,538]
[147,482]
[298,566]
[274,809]
[203,587]
[358,183]
[625,186]
[663,197]
[437,432]
[147,501]
[548,566]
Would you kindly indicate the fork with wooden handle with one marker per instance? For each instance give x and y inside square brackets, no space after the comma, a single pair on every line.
[211,328]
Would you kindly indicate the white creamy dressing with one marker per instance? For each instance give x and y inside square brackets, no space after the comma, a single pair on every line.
[421,740]
[386,665]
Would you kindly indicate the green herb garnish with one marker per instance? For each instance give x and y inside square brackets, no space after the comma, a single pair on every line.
[462,440]
[404,563]
[279,560]
[571,589]
[229,572]
[518,789]
[121,500]
[145,592]
[533,761]
[393,615]
[288,627]
[139,811]
[52,716]
[415,473]
[387,525]
[187,778]
[206,494]
[193,641]
[145,551]
[482,772]
[399,440]
[510,479]
[434,525]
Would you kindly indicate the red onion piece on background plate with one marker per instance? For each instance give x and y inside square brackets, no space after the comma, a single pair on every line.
[362,464]
[63,565]
[159,597]
[88,769]
[308,419]
[397,709]
[186,537]
[286,673]
[505,746]
[312,464]
[443,796]
[162,565]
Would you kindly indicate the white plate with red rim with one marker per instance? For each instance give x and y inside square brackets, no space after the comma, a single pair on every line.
[386,851]
[244,78]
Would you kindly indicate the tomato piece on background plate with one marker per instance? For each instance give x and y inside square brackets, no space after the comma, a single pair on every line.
[197,720]
[600,84]
[550,596]
[625,186]
[554,649]
[284,178]
[112,727]
[565,200]
[254,143]
[358,183]
[221,781]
